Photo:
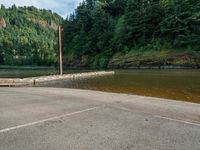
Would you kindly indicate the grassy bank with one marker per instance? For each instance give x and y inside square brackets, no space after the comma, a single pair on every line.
[156,58]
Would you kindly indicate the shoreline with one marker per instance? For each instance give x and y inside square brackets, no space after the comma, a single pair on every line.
[146,67]
[107,68]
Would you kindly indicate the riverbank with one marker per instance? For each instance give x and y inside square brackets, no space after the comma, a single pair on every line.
[56,118]
[152,59]
[140,59]
[134,59]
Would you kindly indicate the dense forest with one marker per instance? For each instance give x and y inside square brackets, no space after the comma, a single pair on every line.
[132,33]
[28,36]
[104,33]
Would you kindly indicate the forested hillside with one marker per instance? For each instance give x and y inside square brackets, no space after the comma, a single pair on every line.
[28,36]
[133,33]
[104,33]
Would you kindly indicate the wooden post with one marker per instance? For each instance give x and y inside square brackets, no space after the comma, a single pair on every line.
[60,50]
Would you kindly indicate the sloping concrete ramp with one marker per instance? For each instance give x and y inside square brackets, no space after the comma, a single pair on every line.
[34,80]
[62,119]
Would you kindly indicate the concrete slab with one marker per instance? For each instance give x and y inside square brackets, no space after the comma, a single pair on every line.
[51,118]
[16,82]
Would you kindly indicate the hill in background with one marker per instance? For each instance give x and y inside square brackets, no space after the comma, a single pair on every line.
[28,36]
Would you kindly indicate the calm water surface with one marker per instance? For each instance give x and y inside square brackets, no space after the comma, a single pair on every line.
[32,72]
[173,84]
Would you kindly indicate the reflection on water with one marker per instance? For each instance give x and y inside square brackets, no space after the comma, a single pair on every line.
[173,84]
[22,73]
[33,72]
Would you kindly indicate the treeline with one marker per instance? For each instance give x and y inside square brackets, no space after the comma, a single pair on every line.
[104,33]
[100,29]
[28,36]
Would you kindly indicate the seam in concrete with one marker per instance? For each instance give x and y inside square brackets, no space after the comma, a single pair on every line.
[158,116]
[178,120]
[46,120]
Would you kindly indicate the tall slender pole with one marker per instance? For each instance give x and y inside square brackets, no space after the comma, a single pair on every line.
[60,50]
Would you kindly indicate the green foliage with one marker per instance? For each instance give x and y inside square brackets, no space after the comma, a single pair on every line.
[182,23]
[121,26]
[29,37]
[99,30]
[101,61]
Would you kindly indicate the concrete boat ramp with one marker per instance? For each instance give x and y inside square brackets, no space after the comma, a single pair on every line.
[68,119]
[13,82]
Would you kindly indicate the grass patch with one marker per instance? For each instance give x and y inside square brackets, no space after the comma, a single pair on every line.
[162,57]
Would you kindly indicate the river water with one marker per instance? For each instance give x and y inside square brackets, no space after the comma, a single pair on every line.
[172,84]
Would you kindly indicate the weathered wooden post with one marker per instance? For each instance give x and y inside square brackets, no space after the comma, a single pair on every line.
[60,50]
